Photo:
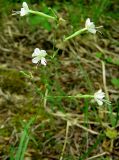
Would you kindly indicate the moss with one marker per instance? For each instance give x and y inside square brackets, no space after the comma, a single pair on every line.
[12,81]
[6,132]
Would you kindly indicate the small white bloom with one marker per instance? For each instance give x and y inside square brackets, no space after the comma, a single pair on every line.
[39,55]
[99,98]
[90,26]
[24,10]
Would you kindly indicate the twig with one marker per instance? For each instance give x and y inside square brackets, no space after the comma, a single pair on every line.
[98,155]
[65,142]
[86,129]
[104,80]
[95,123]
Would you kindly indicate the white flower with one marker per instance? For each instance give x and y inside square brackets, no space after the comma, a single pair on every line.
[90,26]
[98,96]
[24,10]
[39,55]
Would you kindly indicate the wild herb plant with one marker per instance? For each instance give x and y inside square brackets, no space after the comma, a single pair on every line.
[39,58]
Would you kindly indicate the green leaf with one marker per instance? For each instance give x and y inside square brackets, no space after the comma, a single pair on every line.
[99,55]
[37,20]
[116,62]
[111,133]
[115,82]
[109,59]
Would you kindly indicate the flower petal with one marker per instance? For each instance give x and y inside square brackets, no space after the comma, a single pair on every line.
[25,6]
[22,12]
[100,102]
[87,22]
[43,53]
[35,60]
[43,61]
[36,52]
[100,94]
[92,30]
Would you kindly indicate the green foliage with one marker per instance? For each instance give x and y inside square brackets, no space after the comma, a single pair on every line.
[25,137]
[99,55]
[107,59]
[37,20]
[115,82]
[88,152]
[79,10]
[113,119]
[111,133]
[99,8]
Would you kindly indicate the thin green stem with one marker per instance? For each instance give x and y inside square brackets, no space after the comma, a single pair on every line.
[42,14]
[77,96]
[75,34]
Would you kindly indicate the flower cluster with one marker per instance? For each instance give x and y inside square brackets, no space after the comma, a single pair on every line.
[39,55]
